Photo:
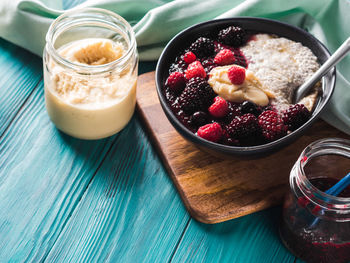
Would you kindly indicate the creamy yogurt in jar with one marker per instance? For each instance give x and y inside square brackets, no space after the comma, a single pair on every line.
[90,83]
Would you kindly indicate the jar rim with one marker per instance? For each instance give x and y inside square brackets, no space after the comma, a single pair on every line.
[82,67]
[312,150]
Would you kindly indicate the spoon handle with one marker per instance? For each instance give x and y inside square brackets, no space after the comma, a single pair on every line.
[334,59]
[340,186]
[335,190]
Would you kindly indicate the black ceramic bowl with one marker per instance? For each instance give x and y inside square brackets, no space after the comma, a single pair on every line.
[186,37]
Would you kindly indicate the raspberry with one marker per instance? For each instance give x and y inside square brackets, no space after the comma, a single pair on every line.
[189,57]
[295,116]
[233,36]
[245,129]
[202,47]
[219,108]
[197,95]
[176,82]
[195,69]
[211,132]
[250,107]
[224,57]
[272,125]
[236,74]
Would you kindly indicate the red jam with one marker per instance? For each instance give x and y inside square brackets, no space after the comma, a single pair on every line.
[326,240]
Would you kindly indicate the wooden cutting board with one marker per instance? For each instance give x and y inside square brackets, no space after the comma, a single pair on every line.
[213,189]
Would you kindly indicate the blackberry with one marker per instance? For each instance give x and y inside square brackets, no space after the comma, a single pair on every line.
[295,116]
[245,129]
[231,142]
[178,66]
[233,111]
[196,81]
[203,47]
[208,64]
[226,139]
[250,107]
[199,118]
[169,95]
[272,125]
[197,96]
[207,92]
[267,107]
[240,58]
[183,117]
[218,47]
[190,100]
[233,36]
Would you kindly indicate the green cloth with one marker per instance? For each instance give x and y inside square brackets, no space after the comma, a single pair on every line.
[155,22]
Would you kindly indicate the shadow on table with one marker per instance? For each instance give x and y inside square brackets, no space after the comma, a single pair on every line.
[122,155]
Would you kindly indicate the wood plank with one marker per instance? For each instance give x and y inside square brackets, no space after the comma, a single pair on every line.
[253,238]
[20,73]
[215,189]
[43,175]
[130,212]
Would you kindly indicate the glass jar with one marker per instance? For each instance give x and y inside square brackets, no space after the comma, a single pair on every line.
[315,226]
[90,71]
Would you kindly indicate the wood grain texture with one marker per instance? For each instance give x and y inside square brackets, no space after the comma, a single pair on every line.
[214,189]
[43,174]
[253,238]
[51,196]
[130,212]
[20,73]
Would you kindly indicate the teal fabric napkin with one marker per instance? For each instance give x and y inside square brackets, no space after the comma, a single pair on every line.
[155,22]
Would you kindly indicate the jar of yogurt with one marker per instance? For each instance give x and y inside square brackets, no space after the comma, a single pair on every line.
[315,226]
[90,71]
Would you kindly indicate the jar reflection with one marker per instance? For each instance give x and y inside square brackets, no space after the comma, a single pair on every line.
[316,226]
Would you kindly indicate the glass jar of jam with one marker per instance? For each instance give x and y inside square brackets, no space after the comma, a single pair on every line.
[315,226]
[90,72]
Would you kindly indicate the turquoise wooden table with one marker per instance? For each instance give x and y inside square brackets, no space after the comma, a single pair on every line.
[69,200]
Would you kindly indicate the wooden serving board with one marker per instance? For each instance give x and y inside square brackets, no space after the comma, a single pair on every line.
[213,189]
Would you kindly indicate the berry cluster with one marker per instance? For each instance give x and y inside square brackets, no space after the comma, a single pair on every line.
[213,118]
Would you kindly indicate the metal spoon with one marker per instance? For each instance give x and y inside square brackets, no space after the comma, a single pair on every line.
[338,55]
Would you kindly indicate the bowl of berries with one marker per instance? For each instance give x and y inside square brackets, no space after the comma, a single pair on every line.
[227,85]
